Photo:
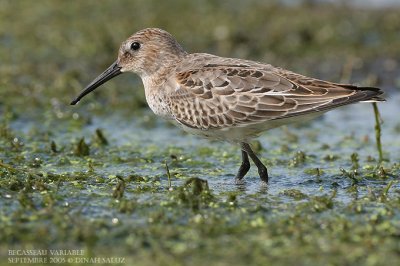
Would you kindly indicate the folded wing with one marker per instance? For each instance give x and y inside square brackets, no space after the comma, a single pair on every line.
[225,95]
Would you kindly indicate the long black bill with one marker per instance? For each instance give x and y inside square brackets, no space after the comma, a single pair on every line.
[112,71]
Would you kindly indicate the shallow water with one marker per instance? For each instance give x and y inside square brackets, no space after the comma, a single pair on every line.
[73,201]
[142,136]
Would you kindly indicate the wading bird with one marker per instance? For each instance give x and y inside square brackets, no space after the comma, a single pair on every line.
[224,98]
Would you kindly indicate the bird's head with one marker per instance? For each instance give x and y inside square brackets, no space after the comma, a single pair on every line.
[145,53]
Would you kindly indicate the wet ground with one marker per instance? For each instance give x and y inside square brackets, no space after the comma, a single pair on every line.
[115,193]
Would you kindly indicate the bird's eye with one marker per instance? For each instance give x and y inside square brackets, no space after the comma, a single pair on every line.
[135,46]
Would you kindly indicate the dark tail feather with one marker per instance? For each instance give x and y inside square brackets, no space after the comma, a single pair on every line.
[370,94]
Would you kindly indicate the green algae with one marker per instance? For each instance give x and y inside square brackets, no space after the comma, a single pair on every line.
[121,200]
[110,178]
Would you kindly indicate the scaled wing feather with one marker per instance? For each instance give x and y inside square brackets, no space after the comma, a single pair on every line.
[225,95]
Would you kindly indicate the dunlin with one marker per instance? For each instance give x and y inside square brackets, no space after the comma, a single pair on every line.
[224,98]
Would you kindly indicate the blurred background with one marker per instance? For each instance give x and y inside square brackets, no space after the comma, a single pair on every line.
[51,49]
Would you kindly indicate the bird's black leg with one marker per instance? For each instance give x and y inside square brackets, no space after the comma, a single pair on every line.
[244,167]
[262,170]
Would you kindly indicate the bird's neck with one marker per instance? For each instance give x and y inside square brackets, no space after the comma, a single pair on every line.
[162,70]
[162,65]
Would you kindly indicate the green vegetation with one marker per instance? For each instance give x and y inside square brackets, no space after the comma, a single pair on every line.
[110,178]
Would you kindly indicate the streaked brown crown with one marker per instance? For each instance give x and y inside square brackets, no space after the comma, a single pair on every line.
[158,49]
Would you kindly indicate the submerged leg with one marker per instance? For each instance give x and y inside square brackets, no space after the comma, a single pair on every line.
[262,170]
[244,167]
